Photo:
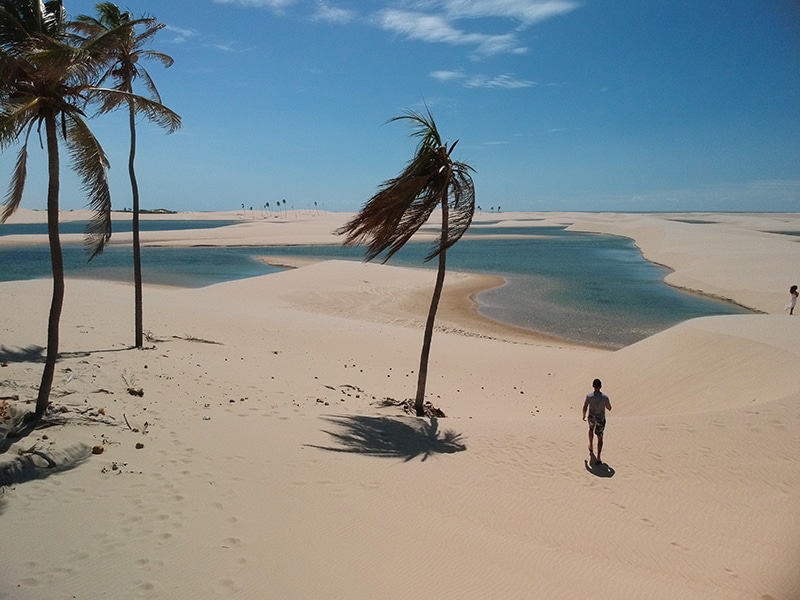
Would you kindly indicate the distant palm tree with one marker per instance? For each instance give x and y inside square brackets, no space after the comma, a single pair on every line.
[404,204]
[124,67]
[44,78]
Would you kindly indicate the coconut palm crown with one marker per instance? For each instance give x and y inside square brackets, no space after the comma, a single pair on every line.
[44,80]
[126,50]
[405,203]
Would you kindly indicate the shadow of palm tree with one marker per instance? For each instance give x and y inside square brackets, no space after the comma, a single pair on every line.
[35,464]
[18,355]
[35,354]
[405,438]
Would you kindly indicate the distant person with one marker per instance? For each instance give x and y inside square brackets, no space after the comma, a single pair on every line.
[596,403]
[792,299]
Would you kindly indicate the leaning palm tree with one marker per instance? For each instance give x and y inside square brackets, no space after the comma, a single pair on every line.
[124,67]
[404,204]
[44,76]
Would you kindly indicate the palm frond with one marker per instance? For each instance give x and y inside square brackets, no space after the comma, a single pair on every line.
[461,207]
[423,127]
[154,111]
[110,13]
[404,204]
[14,196]
[91,164]
[157,113]
[150,85]
[151,29]
[164,59]
[14,117]
[85,24]
[392,216]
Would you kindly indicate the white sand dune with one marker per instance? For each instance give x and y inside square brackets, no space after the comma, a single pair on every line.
[708,364]
[274,464]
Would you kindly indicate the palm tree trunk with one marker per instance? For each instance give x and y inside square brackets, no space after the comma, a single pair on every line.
[137,257]
[57,262]
[422,378]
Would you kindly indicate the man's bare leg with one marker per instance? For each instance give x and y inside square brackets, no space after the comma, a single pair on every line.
[599,447]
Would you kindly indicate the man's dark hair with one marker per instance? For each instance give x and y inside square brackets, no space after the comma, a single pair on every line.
[597,384]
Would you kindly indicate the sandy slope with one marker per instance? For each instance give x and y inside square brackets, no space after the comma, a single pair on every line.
[272,468]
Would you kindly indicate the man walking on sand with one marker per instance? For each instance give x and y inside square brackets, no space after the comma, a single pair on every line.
[596,403]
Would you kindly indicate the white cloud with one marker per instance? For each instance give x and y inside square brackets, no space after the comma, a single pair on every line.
[422,26]
[454,22]
[435,21]
[508,82]
[224,46]
[526,12]
[500,44]
[498,82]
[438,29]
[332,14]
[447,76]
[180,35]
[276,5]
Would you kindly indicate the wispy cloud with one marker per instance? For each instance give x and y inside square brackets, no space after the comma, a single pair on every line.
[425,27]
[498,81]
[276,5]
[442,21]
[225,46]
[505,81]
[327,13]
[447,76]
[179,36]
[527,12]
[182,36]
[454,22]
[437,28]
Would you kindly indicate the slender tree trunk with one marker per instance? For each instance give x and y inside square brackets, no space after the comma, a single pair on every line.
[57,262]
[419,401]
[137,257]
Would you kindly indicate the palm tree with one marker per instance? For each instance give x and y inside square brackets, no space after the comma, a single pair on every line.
[123,68]
[44,76]
[403,204]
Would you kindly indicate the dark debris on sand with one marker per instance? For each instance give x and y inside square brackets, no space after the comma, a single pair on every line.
[408,407]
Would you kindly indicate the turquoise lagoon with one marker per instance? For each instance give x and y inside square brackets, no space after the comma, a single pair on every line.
[590,288]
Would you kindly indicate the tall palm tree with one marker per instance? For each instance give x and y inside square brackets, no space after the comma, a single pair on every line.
[44,76]
[403,204]
[124,67]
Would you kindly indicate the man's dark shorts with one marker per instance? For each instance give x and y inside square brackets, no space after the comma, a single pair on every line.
[598,424]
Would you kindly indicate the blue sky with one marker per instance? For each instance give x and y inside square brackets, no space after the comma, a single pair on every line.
[584,105]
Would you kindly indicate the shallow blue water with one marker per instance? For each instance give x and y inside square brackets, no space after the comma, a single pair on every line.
[586,287]
[118,226]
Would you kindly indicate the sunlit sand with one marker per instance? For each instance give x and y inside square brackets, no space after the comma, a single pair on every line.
[275,462]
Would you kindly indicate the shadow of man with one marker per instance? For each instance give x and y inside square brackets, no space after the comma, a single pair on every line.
[598,469]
